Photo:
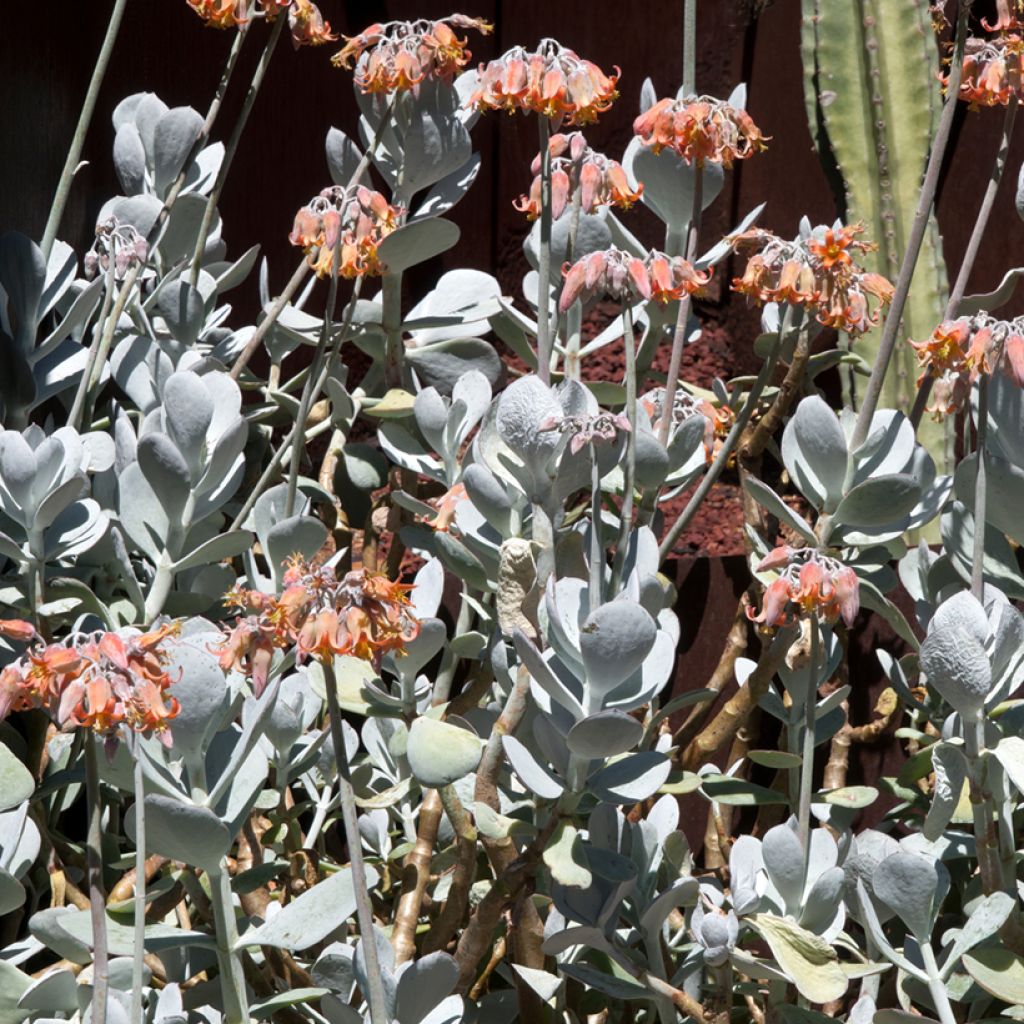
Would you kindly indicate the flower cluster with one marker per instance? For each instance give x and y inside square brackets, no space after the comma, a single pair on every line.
[552,80]
[991,74]
[960,351]
[818,272]
[601,181]
[809,583]
[305,21]
[398,55]
[586,430]
[364,614]
[624,276]
[718,420]
[101,681]
[700,130]
[352,221]
[117,240]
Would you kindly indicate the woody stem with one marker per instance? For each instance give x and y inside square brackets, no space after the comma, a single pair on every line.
[364,910]
[890,331]
[544,258]
[973,246]
[679,337]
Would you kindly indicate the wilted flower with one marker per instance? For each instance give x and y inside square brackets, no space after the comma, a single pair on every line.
[991,74]
[817,271]
[117,240]
[445,506]
[360,217]
[583,430]
[809,583]
[100,682]
[624,276]
[960,351]
[552,80]
[363,614]
[398,55]
[602,181]
[700,129]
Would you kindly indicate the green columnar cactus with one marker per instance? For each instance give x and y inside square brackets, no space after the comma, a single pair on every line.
[873,98]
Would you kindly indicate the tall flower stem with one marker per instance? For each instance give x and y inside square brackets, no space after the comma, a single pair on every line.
[807,757]
[890,331]
[313,380]
[232,977]
[689,47]
[679,336]
[139,938]
[574,317]
[60,199]
[728,446]
[232,146]
[391,321]
[94,865]
[595,594]
[364,911]
[544,259]
[629,470]
[980,488]
[973,247]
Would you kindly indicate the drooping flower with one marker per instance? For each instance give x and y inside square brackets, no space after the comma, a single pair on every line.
[718,420]
[700,129]
[817,271]
[602,427]
[398,55]
[602,181]
[359,217]
[810,583]
[445,506]
[363,614]
[551,80]
[622,275]
[115,240]
[961,351]
[306,23]
[17,629]
[991,74]
[99,681]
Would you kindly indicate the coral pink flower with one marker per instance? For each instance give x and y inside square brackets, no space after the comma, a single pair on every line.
[991,73]
[700,130]
[352,221]
[810,583]
[602,182]
[961,351]
[552,81]
[363,614]
[398,55]
[624,276]
[818,272]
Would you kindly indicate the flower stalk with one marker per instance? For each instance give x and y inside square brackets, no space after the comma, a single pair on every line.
[94,866]
[71,162]
[544,257]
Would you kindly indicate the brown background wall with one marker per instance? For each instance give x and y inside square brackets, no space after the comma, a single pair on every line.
[46,61]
